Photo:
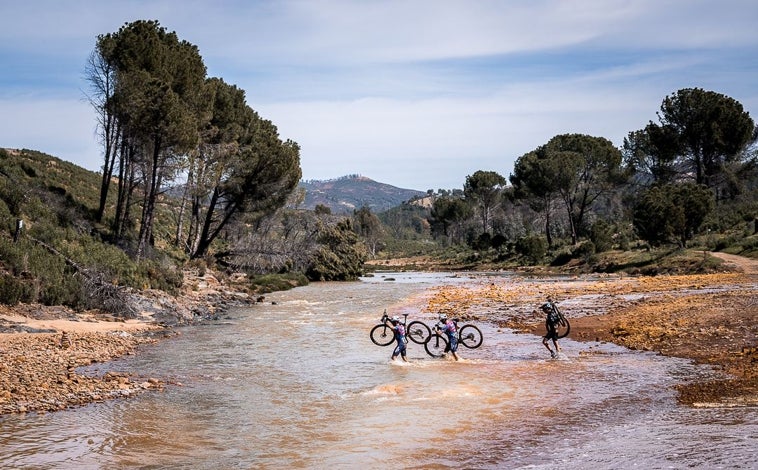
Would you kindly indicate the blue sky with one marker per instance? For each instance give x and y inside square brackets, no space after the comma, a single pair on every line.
[414,93]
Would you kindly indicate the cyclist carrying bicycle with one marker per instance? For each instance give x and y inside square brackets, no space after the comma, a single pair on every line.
[552,317]
[449,327]
[399,329]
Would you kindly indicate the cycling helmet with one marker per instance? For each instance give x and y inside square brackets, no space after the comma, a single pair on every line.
[395,319]
[546,307]
[443,317]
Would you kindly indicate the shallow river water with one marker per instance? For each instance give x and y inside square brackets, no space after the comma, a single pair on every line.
[295,382]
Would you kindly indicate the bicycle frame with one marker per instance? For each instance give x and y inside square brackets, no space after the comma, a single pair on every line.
[468,335]
[384,335]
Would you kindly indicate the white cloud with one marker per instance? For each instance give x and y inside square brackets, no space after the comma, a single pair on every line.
[416,93]
[353,32]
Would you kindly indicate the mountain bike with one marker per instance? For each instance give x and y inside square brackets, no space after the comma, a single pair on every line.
[383,335]
[563,326]
[468,335]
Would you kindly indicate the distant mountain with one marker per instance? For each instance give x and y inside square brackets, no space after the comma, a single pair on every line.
[348,193]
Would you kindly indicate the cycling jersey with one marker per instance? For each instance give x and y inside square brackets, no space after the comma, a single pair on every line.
[399,331]
[401,340]
[450,328]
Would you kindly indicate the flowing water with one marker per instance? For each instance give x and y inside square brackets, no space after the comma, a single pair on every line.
[295,382]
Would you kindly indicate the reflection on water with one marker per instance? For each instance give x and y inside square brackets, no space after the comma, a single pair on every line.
[296,383]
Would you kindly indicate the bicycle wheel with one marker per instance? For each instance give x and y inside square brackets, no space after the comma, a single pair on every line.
[563,327]
[418,332]
[436,345]
[382,335]
[470,336]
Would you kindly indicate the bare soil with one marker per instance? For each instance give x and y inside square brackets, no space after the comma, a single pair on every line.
[43,348]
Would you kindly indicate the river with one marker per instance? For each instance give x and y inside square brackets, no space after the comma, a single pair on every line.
[295,382]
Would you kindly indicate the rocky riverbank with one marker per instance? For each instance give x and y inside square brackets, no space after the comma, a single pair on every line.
[710,319]
[38,371]
[42,349]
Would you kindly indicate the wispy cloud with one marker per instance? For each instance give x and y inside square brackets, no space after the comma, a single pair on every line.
[416,93]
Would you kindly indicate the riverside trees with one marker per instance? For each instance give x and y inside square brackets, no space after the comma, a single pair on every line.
[697,156]
[577,168]
[162,120]
[483,189]
[672,212]
[700,134]
[241,166]
[663,184]
[448,216]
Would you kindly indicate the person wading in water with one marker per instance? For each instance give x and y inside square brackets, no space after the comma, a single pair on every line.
[450,328]
[399,329]
[552,318]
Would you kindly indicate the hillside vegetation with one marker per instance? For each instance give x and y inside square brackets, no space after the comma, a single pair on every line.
[53,251]
[60,255]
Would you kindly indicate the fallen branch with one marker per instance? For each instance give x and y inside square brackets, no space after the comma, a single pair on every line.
[101,294]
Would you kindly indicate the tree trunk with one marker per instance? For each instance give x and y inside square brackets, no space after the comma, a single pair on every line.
[123,182]
[111,142]
[191,187]
[180,218]
[548,232]
[207,235]
[571,218]
[126,222]
[148,208]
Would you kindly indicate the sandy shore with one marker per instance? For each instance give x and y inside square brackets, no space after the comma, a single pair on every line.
[42,348]
[710,319]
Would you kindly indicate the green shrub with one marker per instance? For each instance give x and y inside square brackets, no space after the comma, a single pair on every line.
[7,220]
[724,242]
[30,171]
[14,290]
[63,290]
[562,257]
[482,242]
[277,282]
[165,278]
[12,195]
[340,256]
[624,240]
[601,235]
[38,211]
[584,250]
[499,241]
[533,247]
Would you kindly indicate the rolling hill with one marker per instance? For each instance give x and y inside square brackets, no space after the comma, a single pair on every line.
[348,193]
